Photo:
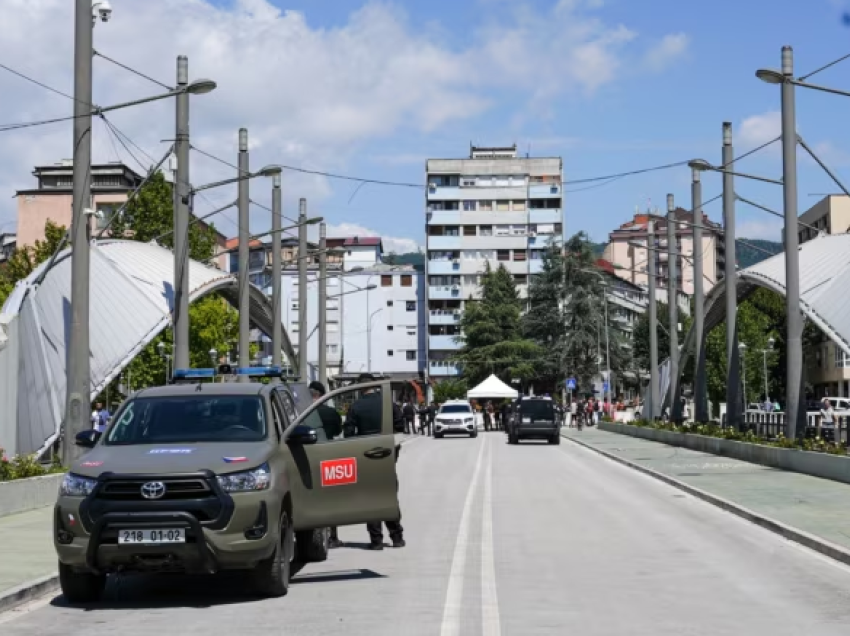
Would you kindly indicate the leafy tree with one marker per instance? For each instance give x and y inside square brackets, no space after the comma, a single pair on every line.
[26,258]
[491,334]
[544,322]
[641,337]
[450,389]
[391,258]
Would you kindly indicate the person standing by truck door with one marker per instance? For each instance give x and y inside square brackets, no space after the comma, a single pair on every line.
[332,426]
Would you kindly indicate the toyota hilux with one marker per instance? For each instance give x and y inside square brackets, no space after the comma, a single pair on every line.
[209,476]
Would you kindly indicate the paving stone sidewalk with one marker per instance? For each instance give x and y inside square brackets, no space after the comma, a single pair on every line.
[26,548]
[820,507]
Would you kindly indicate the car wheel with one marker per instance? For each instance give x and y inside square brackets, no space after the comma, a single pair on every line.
[438,436]
[555,439]
[80,587]
[271,576]
[473,435]
[311,546]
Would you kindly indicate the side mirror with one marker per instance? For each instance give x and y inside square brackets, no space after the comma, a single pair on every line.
[87,439]
[304,435]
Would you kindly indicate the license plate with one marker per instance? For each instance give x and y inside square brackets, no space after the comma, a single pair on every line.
[152,536]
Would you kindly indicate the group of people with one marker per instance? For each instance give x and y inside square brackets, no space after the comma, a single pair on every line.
[427,414]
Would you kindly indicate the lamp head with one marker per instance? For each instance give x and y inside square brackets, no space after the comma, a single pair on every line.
[770,343]
[699,165]
[201,87]
[770,76]
[269,171]
[372,286]
[314,220]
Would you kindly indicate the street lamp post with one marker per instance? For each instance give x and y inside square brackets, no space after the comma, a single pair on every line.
[733,413]
[742,347]
[672,308]
[700,392]
[302,291]
[369,337]
[244,254]
[323,304]
[770,343]
[653,325]
[277,328]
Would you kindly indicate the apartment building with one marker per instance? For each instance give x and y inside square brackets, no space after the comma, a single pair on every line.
[8,243]
[493,206]
[827,366]
[52,197]
[633,262]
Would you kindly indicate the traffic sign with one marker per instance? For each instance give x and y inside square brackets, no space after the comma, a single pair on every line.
[605,386]
[571,384]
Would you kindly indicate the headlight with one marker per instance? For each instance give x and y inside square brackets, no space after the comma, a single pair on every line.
[526,420]
[76,486]
[468,420]
[259,478]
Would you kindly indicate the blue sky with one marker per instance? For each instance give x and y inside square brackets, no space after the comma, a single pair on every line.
[373,89]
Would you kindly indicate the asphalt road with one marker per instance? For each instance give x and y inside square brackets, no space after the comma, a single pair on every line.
[514,540]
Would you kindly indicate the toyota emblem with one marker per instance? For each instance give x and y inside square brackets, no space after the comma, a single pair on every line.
[153,490]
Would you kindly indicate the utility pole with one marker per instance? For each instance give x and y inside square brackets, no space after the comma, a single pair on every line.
[277,328]
[653,324]
[244,252]
[794,414]
[700,393]
[323,302]
[78,374]
[181,221]
[733,396]
[303,369]
[673,307]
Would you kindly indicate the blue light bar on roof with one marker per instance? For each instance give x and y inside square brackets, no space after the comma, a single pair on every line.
[185,374]
[259,372]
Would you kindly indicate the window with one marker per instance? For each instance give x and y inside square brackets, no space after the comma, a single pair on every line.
[411,305]
[389,303]
[520,255]
[189,420]
[386,281]
[453,230]
[485,230]
[519,206]
[842,360]
[455,408]
[411,355]
[407,280]
[503,206]
[105,212]
[503,230]
[389,353]
[469,230]
[333,348]
[503,255]
[295,306]
[485,206]
[389,327]
[467,183]
[364,416]
[469,206]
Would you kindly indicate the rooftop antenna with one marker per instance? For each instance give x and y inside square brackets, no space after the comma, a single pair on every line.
[528,153]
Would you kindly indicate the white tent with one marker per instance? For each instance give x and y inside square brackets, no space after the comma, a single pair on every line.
[492,387]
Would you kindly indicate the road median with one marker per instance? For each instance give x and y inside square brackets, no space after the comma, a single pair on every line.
[800,508]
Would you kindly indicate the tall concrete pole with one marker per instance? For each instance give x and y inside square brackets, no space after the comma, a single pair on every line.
[78,378]
[794,414]
[303,368]
[323,305]
[653,325]
[244,252]
[673,307]
[277,300]
[733,394]
[700,389]
[181,221]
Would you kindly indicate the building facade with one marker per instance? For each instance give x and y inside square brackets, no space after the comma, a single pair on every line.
[493,207]
[51,199]
[8,243]
[634,262]
[827,366]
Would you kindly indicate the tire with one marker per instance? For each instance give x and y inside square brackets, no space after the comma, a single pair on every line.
[513,439]
[555,439]
[80,587]
[311,546]
[473,435]
[438,436]
[271,577]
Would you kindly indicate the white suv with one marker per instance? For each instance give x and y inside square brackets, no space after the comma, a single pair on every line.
[455,417]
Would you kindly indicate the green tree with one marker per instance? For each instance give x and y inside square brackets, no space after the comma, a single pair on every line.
[641,337]
[491,332]
[26,258]
[543,323]
[450,389]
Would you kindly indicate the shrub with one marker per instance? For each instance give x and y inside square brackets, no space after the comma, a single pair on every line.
[23,466]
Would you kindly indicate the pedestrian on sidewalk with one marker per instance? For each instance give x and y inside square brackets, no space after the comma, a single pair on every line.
[100,418]
[827,421]
[409,416]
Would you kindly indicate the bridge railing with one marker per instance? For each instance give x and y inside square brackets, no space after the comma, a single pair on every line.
[770,424]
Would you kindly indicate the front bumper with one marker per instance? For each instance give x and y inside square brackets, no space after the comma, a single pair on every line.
[222,531]
[447,428]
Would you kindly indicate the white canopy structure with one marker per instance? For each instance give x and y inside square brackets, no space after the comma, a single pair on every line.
[492,387]
[131,302]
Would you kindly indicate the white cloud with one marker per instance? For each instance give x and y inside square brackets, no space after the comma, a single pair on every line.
[667,51]
[767,229]
[758,129]
[310,97]
[396,244]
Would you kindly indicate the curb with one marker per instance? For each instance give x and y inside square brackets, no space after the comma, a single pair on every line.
[810,541]
[28,591]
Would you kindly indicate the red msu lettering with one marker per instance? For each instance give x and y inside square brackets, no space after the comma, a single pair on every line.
[339,472]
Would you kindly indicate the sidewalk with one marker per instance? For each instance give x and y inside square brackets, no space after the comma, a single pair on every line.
[26,550]
[817,507]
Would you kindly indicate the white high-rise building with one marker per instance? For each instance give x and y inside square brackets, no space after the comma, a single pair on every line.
[493,206]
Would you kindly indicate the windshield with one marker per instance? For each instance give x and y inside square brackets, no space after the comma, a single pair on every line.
[455,408]
[537,410]
[189,419]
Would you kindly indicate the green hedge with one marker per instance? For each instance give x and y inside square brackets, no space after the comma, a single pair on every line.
[817,444]
[24,466]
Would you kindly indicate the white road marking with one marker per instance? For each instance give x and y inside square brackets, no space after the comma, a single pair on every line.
[491,624]
[454,594]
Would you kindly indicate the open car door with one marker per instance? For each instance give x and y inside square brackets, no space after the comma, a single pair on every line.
[344,469]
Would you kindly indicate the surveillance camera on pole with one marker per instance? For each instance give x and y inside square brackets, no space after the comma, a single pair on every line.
[102,10]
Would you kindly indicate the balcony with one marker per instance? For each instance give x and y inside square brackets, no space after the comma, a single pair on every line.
[544,191]
[446,217]
[444,242]
[443,343]
[549,215]
[493,242]
[444,317]
[444,267]
[448,193]
[444,292]
[535,266]
[442,369]
[544,240]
